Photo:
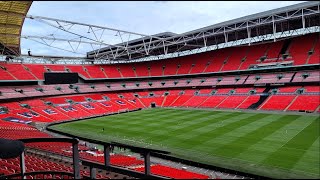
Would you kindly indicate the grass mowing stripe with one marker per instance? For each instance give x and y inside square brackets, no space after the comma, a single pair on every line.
[303,141]
[220,131]
[310,160]
[185,120]
[195,127]
[178,130]
[244,142]
[259,151]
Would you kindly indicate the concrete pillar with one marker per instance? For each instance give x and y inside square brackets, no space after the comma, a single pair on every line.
[92,173]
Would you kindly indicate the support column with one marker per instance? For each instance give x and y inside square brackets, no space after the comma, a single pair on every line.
[92,173]
[106,154]
[76,167]
[147,163]
[22,166]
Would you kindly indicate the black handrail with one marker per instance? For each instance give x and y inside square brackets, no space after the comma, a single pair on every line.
[49,139]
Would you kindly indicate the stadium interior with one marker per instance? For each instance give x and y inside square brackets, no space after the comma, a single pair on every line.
[278,75]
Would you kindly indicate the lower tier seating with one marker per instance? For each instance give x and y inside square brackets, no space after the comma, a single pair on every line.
[173,172]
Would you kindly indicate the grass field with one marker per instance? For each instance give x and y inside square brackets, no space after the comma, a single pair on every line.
[274,145]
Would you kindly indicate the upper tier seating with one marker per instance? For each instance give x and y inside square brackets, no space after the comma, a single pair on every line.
[300,47]
[227,59]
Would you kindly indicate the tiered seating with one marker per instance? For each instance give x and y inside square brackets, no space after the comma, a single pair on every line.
[147,101]
[218,58]
[173,172]
[76,98]
[185,65]
[201,62]
[231,80]
[291,89]
[51,112]
[213,101]
[33,163]
[31,91]
[121,160]
[126,70]
[274,50]
[232,101]
[194,101]
[313,76]
[315,57]
[4,75]
[269,78]
[249,101]
[168,100]
[27,114]
[73,111]
[170,67]
[92,108]
[234,60]
[305,102]
[12,126]
[57,100]
[256,51]
[181,100]
[156,68]
[227,59]
[36,69]
[243,90]
[9,92]
[18,71]
[277,102]
[111,71]
[24,132]
[205,91]
[79,69]
[95,71]
[55,68]
[123,104]
[310,89]
[224,90]
[141,69]
[300,47]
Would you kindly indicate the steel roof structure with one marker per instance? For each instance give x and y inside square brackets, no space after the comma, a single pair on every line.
[253,28]
[12,15]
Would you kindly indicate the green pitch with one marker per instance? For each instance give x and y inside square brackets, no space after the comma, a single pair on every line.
[274,145]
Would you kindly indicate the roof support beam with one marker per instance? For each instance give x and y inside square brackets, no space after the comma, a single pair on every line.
[89,25]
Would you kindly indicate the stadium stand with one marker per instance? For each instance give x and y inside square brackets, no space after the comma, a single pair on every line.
[276,75]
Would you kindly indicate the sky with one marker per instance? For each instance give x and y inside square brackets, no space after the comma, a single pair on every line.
[145,17]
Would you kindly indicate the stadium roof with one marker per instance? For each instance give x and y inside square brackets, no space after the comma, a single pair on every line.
[12,15]
[290,18]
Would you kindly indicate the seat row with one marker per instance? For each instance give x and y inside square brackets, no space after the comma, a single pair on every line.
[70,107]
[9,92]
[302,50]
